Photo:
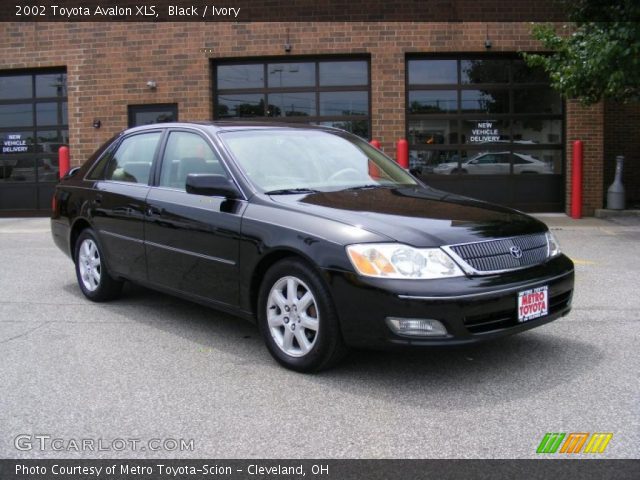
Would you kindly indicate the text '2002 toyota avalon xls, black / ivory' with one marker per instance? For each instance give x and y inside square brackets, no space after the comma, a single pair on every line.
[312,232]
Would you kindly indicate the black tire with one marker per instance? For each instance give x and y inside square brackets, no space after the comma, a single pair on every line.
[327,345]
[106,288]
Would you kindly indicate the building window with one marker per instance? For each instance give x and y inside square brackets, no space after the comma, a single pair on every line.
[333,92]
[156,113]
[482,116]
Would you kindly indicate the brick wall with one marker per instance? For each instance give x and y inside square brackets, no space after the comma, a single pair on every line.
[622,137]
[586,124]
[108,65]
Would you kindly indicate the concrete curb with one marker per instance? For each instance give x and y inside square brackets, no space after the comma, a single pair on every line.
[605,213]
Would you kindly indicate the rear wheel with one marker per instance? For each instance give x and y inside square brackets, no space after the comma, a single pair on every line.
[92,274]
[297,318]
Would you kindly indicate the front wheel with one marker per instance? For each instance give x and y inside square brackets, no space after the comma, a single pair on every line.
[92,274]
[297,319]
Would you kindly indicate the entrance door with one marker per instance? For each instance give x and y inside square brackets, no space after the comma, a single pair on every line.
[148,114]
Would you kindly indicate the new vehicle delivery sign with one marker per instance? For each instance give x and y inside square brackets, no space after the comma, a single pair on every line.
[484,132]
[533,303]
[14,143]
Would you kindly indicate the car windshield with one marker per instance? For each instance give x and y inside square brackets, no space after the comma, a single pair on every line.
[281,161]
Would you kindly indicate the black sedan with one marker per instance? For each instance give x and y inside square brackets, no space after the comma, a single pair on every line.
[310,231]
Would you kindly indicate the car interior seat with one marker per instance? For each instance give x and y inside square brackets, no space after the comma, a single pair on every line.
[137,172]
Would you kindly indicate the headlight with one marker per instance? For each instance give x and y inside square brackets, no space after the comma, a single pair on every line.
[553,247]
[394,260]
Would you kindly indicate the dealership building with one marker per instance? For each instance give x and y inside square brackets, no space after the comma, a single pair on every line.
[478,121]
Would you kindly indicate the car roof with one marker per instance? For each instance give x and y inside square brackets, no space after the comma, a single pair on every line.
[234,125]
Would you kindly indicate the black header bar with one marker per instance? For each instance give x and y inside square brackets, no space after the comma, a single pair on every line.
[283,11]
[317,469]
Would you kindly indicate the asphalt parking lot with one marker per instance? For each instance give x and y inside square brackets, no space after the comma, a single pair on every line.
[153,367]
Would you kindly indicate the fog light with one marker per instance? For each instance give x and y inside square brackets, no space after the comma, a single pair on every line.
[416,327]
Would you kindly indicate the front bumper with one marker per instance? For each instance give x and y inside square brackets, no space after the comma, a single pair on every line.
[472,309]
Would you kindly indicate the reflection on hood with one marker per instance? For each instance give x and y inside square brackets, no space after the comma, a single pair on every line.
[411,202]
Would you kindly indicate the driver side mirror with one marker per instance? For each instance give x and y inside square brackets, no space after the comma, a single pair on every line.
[211,185]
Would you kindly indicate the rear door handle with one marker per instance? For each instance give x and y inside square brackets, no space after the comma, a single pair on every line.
[151,211]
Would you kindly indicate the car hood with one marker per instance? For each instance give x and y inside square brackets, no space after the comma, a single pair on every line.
[422,217]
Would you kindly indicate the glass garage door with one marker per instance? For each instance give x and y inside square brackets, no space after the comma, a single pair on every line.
[486,127]
[33,125]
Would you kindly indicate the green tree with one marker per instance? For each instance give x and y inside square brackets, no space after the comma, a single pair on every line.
[597,56]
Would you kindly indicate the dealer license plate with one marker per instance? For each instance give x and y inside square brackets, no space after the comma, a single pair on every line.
[533,303]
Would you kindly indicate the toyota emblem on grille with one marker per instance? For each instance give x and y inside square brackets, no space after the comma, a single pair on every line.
[515,251]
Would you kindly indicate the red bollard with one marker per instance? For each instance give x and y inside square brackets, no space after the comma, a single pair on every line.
[63,161]
[576,180]
[402,153]
[375,143]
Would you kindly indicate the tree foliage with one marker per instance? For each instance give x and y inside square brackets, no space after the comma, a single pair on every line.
[597,56]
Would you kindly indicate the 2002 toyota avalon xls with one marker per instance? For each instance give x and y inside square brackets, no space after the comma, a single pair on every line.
[311,231]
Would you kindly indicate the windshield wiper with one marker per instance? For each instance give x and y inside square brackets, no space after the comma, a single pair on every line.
[290,191]
[366,187]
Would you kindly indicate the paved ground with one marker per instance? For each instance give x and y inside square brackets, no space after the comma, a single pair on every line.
[150,366]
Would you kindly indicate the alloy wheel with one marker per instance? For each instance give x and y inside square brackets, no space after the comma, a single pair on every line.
[89,264]
[293,316]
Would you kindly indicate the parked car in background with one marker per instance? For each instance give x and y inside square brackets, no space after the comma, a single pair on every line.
[495,163]
[311,232]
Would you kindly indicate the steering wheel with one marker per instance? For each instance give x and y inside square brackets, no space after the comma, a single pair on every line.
[349,171]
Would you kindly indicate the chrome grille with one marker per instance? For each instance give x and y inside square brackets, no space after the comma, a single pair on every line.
[494,255]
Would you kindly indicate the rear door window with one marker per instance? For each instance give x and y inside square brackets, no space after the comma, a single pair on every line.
[133,158]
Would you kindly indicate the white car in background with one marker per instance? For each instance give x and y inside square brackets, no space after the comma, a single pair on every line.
[495,163]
